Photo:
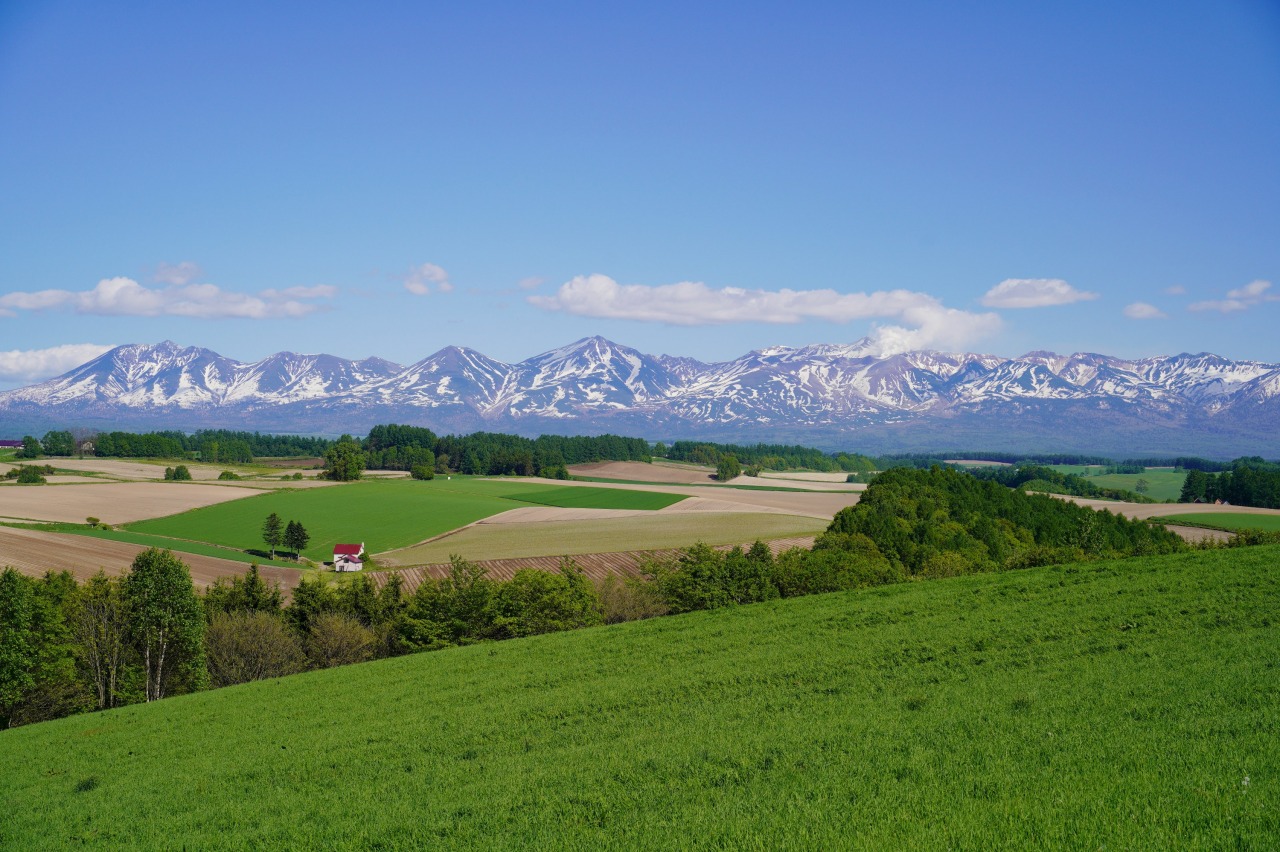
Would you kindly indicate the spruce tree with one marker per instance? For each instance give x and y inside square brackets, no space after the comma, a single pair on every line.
[271,532]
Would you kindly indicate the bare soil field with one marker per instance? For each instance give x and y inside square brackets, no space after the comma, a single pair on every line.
[596,566]
[127,470]
[813,504]
[33,552]
[136,470]
[290,462]
[595,534]
[1143,511]
[112,502]
[686,474]
[655,472]
[803,476]
[1194,534]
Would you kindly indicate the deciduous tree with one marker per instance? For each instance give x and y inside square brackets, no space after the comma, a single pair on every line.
[344,461]
[166,619]
[245,646]
[100,624]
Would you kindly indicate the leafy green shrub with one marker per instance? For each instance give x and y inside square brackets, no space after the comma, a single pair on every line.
[228,476]
[30,475]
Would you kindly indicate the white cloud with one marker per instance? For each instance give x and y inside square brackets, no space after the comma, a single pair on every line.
[926,322]
[34,365]
[1142,311]
[533,282]
[178,273]
[422,278]
[1240,299]
[126,297]
[1034,293]
[1175,290]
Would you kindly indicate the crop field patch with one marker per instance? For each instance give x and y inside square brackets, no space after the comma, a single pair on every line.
[1227,520]
[384,514]
[112,502]
[1163,483]
[558,538]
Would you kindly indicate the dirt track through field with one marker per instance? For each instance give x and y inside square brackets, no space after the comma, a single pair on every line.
[112,502]
[33,552]
[597,566]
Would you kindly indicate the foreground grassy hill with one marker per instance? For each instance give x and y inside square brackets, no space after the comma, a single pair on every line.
[1129,704]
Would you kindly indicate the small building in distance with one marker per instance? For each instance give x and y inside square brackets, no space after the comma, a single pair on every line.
[346,557]
[7,444]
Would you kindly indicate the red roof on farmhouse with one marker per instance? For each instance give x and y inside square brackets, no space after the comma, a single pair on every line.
[347,549]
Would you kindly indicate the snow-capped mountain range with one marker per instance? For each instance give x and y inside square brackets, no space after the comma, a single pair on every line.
[837,396]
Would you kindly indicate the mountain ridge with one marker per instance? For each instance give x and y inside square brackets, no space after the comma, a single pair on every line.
[829,395]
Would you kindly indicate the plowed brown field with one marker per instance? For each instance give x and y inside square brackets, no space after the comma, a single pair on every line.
[33,552]
[597,566]
[112,502]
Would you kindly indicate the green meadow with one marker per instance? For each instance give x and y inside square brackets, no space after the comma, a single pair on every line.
[386,514]
[1225,521]
[1132,704]
[1164,483]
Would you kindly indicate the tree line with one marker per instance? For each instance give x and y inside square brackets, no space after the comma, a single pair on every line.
[1249,481]
[766,456]
[211,445]
[424,453]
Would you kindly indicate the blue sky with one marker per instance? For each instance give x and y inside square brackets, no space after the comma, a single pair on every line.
[695,179]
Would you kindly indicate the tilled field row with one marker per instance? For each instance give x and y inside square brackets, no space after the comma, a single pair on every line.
[596,566]
[33,552]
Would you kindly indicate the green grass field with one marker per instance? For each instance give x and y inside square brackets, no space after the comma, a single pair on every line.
[385,514]
[657,532]
[1224,521]
[1124,705]
[1164,483]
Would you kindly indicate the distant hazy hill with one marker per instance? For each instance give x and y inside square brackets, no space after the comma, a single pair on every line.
[833,396]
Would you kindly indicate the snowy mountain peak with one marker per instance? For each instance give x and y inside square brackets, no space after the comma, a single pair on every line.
[595,384]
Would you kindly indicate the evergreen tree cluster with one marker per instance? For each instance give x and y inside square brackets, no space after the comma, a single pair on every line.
[767,456]
[395,447]
[209,445]
[1249,482]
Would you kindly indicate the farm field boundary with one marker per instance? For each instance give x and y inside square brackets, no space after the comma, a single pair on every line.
[384,514]
[484,541]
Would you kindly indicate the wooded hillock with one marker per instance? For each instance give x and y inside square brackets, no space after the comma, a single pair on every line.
[943,522]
